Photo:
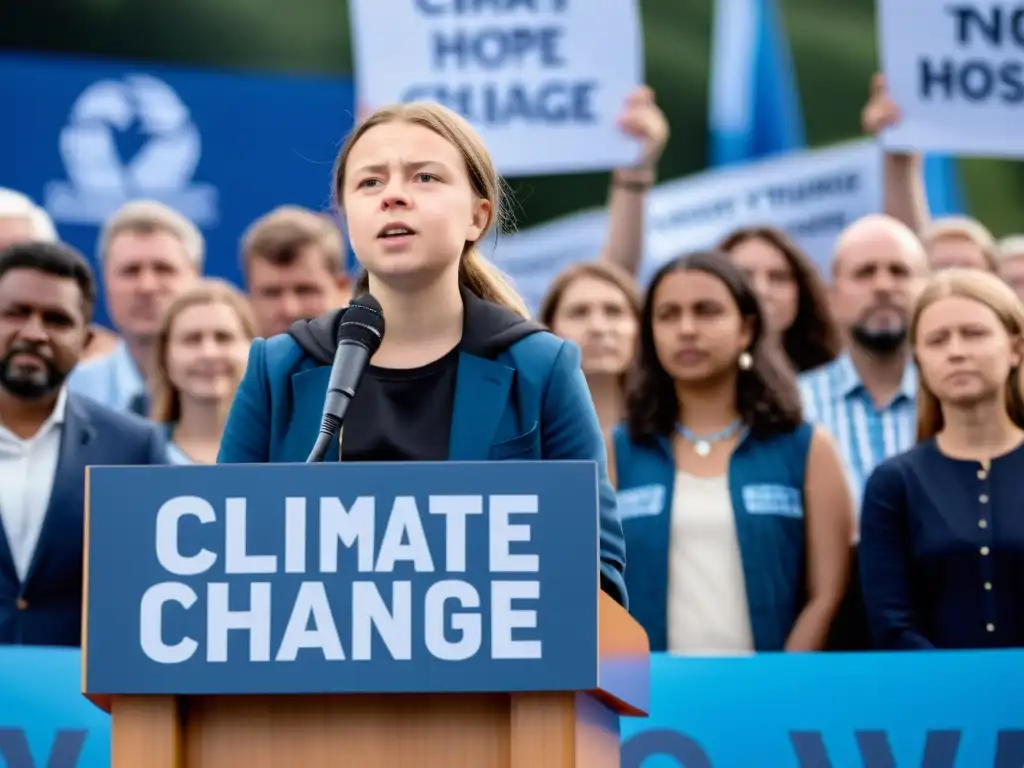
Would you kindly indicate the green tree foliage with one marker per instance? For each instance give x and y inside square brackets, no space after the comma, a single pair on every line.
[834,50]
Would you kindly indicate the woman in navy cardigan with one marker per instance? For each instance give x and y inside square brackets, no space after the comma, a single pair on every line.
[942,534]
[462,373]
[736,513]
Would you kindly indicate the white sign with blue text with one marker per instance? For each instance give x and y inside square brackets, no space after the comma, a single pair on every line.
[812,195]
[956,70]
[542,80]
[343,578]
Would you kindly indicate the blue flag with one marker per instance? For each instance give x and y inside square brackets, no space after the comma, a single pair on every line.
[754,104]
[754,108]
[942,185]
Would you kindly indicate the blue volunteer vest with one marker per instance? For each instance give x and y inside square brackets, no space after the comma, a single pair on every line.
[766,483]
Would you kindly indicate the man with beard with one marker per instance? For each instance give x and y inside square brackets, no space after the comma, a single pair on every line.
[866,397]
[47,438]
[22,221]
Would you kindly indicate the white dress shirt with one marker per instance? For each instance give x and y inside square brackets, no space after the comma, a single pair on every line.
[27,469]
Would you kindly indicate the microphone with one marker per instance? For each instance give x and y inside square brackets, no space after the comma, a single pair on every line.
[359,336]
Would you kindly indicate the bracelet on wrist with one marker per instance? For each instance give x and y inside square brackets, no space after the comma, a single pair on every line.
[633,185]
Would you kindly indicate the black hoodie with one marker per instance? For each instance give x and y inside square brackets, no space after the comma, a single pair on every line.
[488,330]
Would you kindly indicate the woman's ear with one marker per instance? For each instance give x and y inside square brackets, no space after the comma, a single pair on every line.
[1017,351]
[481,218]
[747,333]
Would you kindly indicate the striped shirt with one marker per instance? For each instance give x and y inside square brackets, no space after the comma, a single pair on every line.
[834,397]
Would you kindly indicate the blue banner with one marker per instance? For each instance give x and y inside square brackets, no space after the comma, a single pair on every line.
[908,710]
[84,135]
[45,721]
[876,710]
[354,578]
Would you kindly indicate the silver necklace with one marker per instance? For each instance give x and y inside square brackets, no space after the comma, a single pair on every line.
[702,443]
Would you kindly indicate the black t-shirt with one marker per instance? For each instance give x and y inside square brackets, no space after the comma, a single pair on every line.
[402,414]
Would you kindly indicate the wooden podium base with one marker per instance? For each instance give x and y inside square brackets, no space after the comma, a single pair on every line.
[529,730]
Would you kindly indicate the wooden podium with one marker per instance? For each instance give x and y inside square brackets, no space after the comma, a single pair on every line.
[192,710]
[570,729]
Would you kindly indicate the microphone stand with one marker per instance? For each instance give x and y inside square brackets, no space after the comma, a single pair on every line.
[320,448]
[340,392]
[360,334]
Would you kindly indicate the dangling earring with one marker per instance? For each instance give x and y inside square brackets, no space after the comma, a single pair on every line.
[745,361]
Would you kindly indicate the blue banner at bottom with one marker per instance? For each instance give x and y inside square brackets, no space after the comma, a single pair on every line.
[909,710]
[865,710]
[45,721]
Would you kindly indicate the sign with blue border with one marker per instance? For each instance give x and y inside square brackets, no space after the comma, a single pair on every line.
[440,577]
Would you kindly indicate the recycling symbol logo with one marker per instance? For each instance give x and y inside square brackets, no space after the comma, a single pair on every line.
[100,180]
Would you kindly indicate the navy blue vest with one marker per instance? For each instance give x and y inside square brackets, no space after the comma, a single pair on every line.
[766,483]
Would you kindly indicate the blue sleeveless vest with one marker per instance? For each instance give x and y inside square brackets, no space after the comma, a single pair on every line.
[766,483]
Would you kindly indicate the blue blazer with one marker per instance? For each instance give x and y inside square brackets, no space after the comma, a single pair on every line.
[519,394]
[46,609]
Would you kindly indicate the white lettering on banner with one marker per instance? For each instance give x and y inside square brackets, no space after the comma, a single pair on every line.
[168,519]
[236,558]
[544,80]
[450,611]
[255,620]
[503,646]
[957,72]
[455,510]
[151,636]
[504,532]
[466,624]
[355,526]
[311,605]
[811,195]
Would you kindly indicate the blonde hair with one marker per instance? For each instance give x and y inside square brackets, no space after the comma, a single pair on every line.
[166,407]
[986,289]
[965,228]
[15,205]
[147,216]
[280,235]
[475,272]
[1011,247]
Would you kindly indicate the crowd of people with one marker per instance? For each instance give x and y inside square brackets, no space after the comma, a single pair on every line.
[801,461]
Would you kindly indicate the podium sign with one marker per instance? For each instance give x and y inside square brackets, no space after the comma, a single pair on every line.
[342,578]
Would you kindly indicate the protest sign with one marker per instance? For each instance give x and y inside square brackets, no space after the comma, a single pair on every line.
[811,195]
[956,70]
[542,80]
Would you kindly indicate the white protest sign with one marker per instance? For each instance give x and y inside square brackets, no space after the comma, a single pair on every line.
[956,70]
[542,80]
[812,195]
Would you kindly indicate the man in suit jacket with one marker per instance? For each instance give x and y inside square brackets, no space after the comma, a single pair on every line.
[47,438]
